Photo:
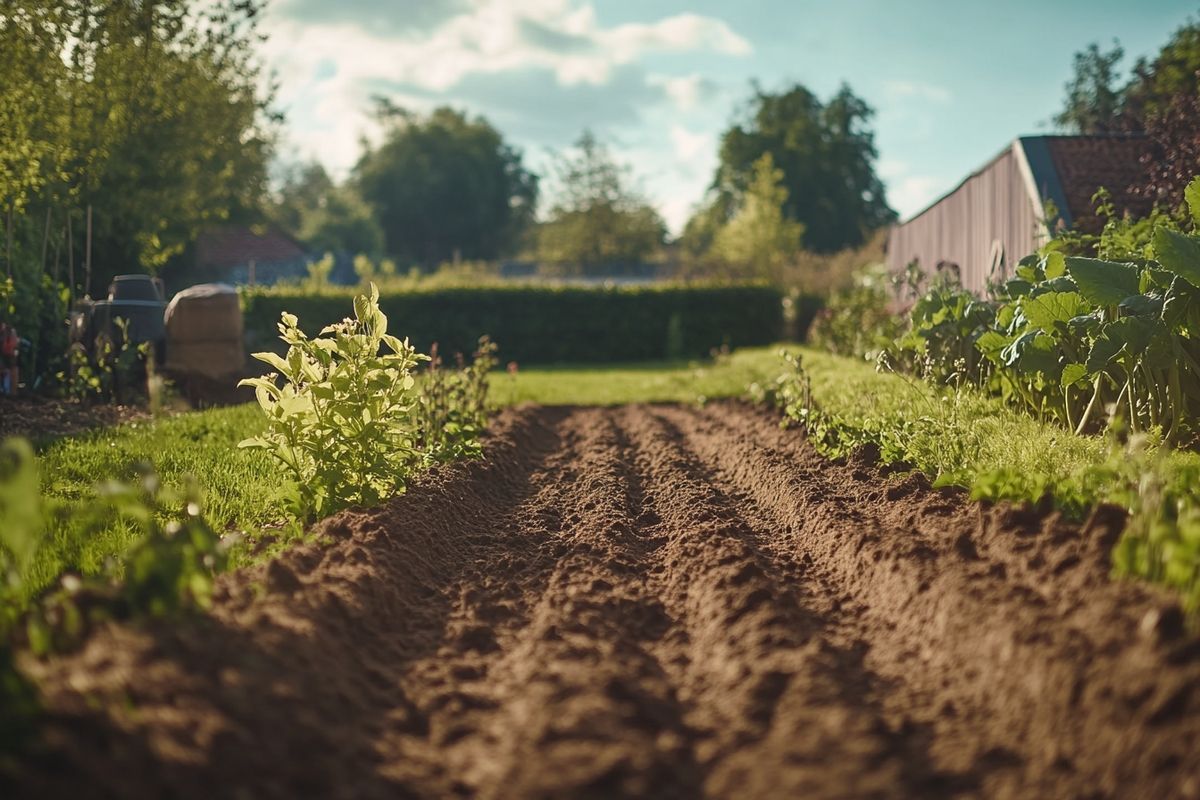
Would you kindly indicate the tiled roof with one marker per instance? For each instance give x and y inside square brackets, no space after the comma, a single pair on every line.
[1086,163]
[234,245]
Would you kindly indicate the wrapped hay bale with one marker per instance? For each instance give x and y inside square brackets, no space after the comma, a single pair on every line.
[204,331]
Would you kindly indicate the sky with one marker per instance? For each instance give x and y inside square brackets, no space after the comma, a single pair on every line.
[952,82]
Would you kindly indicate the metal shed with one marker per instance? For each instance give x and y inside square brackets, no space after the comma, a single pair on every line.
[996,216]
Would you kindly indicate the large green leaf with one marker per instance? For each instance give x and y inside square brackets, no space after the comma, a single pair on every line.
[991,344]
[1192,195]
[1073,373]
[1105,283]
[1178,253]
[1033,352]
[1045,310]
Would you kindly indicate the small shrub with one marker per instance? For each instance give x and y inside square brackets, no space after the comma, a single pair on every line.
[343,423]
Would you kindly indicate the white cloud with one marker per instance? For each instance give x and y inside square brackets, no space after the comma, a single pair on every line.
[686,92]
[912,193]
[465,39]
[901,90]
[687,145]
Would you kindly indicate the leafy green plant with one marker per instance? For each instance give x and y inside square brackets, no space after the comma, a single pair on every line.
[1080,339]
[860,321]
[343,422]
[451,411]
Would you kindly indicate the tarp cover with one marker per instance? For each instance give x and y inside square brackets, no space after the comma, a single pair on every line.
[204,330]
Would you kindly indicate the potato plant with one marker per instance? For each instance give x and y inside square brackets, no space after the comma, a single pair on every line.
[342,423]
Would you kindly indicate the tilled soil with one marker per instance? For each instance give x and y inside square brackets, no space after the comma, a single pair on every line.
[648,601]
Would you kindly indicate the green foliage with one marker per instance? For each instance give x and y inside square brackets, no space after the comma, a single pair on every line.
[151,112]
[342,424]
[548,324]
[860,321]
[1073,338]
[169,569]
[451,410]
[759,241]
[114,372]
[827,155]
[1094,101]
[445,184]
[598,221]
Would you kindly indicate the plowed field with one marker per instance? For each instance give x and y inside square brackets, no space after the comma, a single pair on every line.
[648,601]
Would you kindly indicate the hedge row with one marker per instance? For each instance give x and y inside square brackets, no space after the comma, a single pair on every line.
[544,325]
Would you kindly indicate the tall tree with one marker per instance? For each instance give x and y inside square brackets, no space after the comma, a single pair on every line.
[760,240]
[598,219]
[827,154]
[150,111]
[446,184]
[1094,101]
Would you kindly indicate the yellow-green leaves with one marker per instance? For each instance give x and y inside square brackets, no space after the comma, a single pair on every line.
[341,423]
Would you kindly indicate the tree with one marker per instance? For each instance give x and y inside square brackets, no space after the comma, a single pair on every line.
[149,111]
[827,154]
[445,185]
[1163,98]
[1094,101]
[342,223]
[1174,73]
[598,220]
[760,238]
[324,216]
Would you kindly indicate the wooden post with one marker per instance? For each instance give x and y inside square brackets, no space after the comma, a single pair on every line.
[8,240]
[87,256]
[45,242]
[58,241]
[70,263]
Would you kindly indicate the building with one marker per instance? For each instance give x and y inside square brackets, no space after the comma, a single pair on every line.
[997,215]
[241,255]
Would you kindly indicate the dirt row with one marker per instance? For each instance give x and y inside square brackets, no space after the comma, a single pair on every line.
[648,601]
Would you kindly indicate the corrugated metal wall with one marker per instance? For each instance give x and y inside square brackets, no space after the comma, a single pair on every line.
[990,210]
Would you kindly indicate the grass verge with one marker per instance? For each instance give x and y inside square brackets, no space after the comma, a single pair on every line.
[961,437]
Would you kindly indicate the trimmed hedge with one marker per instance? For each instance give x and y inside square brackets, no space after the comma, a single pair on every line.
[545,325]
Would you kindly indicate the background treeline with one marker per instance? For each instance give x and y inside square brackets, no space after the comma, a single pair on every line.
[795,182]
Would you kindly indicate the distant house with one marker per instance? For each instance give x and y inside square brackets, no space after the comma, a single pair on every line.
[996,216]
[240,255]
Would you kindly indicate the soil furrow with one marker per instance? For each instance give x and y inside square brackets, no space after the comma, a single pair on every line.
[646,602]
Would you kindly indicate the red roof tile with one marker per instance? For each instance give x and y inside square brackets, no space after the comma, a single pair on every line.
[1087,163]
[234,245]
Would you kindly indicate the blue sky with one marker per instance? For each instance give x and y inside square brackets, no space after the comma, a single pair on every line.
[952,82]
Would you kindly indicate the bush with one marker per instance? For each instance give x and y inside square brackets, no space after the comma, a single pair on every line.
[343,424]
[541,325]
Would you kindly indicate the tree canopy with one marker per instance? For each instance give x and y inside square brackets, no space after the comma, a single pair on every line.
[1094,101]
[150,111]
[444,185]
[826,153]
[598,219]
[760,236]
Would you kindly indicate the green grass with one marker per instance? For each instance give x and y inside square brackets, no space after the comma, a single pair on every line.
[241,488]
[654,382]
